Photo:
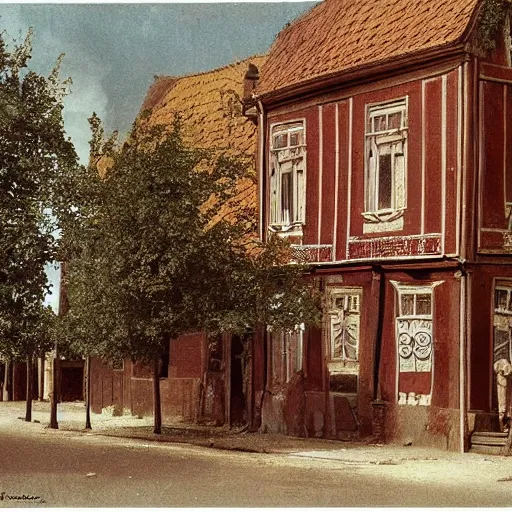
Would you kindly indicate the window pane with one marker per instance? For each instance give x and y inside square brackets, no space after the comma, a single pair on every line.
[385,182]
[500,299]
[394,121]
[407,305]
[424,304]
[295,138]
[280,141]
[299,210]
[339,302]
[380,123]
[286,197]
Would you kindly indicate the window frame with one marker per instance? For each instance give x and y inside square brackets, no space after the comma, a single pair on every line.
[392,138]
[508,309]
[415,291]
[345,293]
[502,285]
[402,289]
[287,159]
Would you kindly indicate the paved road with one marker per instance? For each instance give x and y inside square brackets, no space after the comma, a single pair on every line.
[54,465]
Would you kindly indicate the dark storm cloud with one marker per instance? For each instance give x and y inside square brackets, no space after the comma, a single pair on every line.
[114,50]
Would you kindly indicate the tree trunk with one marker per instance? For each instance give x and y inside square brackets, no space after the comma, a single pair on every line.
[7,381]
[41,379]
[88,393]
[54,398]
[3,367]
[30,368]
[157,407]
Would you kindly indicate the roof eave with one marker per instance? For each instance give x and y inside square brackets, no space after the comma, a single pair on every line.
[365,72]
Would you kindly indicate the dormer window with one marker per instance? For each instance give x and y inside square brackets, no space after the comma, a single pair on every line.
[385,165]
[287,176]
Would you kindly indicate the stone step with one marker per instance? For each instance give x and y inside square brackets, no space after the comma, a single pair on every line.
[486,450]
[488,441]
[491,434]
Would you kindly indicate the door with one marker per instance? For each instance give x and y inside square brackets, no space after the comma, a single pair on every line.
[344,318]
[237,410]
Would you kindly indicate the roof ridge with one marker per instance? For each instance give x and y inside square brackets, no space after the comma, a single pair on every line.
[207,72]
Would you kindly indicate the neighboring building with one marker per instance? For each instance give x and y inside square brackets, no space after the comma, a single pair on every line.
[385,157]
[70,373]
[203,378]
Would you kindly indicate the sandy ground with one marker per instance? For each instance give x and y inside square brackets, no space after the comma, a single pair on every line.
[424,476]
[71,419]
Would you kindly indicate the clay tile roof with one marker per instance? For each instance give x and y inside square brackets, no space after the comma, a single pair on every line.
[337,35]
[210,105]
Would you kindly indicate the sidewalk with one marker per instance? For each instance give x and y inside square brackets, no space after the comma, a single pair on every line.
[71,418]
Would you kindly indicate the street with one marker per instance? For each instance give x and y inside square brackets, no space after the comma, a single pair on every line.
[85,470]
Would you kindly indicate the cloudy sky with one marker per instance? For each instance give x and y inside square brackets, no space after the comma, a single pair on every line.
[113,51]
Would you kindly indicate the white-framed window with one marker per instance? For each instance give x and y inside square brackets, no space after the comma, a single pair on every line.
[415,344]
[386,162]
[286,349]
[502,321]
[344,319]
[414,328]
[287,174]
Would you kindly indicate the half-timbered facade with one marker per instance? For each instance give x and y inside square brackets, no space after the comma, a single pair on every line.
[385,158]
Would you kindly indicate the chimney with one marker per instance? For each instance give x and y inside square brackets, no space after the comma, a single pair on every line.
[250,80]
[249,105]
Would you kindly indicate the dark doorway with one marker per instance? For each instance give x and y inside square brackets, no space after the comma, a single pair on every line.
[71,381]
[237,399]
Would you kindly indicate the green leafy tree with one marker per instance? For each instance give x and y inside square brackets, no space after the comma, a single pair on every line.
[164,247]
[37,166]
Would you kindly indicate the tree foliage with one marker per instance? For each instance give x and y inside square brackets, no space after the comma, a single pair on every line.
[37,166]
[491,20]
[164,246]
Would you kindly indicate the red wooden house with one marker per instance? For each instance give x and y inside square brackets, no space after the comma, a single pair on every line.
[385,158]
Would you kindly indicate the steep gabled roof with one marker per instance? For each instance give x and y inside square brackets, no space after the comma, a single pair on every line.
[210,106]
[339,35]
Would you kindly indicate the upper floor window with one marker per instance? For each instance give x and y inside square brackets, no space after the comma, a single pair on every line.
[386,162]
[287,175]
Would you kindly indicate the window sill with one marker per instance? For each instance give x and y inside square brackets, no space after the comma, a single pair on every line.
[383,216]
[343,366]
[414,399]
[287,230]
[383,222]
